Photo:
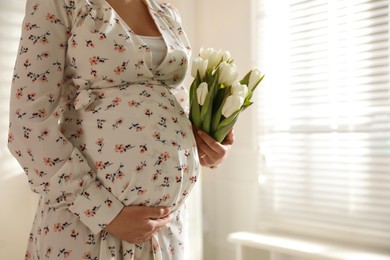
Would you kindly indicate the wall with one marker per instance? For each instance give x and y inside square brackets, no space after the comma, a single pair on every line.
[230,191]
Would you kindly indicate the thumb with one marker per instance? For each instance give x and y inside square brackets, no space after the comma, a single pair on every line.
[158,212]
[229,139]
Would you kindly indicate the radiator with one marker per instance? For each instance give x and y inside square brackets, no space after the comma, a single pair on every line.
[267,246]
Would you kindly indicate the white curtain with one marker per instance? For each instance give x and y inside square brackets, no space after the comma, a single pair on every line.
[324,122]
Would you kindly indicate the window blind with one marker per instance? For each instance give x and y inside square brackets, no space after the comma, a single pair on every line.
[11,16]
[324,117]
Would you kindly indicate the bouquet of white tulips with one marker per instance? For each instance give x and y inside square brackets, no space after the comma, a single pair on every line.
[216,95]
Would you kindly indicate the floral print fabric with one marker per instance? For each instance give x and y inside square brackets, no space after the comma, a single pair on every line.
[95,129]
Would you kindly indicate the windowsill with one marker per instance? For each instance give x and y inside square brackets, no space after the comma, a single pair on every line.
[304,247]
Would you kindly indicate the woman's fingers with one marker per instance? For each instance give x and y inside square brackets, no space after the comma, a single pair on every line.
[158,224]
[211,145]
[156,212]
[211,152]
[214,150]
[229,139]
[136,224]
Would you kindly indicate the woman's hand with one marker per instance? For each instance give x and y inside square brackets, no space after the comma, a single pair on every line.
[136,224]
[212,153]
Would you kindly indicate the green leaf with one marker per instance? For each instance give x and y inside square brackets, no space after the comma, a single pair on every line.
[217,110]
[221,133]
[194,106]
[249,95]
[195,114]
[247,103]
[192,91]
[230,119]
[245,79]
[194,85]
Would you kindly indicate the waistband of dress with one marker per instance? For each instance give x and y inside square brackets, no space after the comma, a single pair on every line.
[88,94]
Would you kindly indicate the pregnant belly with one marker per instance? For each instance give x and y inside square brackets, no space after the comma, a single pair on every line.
[140,143]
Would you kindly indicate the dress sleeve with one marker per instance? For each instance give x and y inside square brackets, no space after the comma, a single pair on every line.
[55,168]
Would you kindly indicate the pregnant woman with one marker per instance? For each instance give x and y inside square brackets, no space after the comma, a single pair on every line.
[98,123]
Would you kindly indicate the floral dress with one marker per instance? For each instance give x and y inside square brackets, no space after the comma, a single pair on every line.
[96,129]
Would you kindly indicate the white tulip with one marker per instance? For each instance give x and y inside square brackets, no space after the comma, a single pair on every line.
[214,59]
[202,92]
[206,53]
[226,56]
[238,89]
[232,104]
[199,64]
[228,73]
[212,55]
[254,78]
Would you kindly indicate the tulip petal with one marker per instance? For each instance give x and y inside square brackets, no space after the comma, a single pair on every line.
[254,78]
[231,105]
[201,93]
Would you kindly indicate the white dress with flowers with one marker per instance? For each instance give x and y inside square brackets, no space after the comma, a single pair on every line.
[95,128]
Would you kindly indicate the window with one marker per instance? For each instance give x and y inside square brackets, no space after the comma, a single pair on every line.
[324,118]
[11,16]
